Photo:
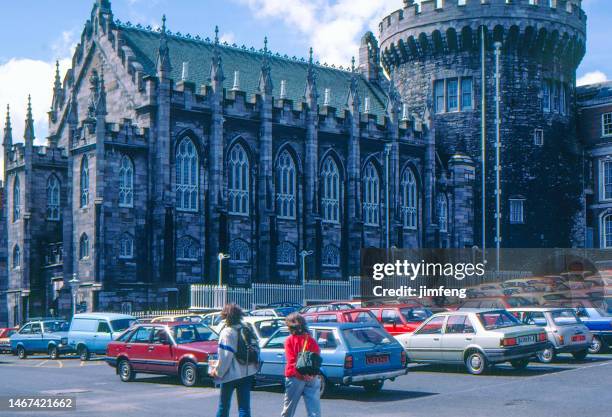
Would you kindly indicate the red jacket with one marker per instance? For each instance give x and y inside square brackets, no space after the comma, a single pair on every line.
[294,344]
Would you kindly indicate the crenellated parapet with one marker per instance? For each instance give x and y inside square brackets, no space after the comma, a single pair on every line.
[526,27]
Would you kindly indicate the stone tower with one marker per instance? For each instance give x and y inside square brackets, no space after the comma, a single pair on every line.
[432,51]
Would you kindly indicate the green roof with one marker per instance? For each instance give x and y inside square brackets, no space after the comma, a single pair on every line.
[248,61]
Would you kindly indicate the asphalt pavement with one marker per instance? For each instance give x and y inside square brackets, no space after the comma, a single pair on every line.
[565,388]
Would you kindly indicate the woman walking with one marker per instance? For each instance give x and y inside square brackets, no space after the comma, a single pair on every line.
[296,384]
[230,372]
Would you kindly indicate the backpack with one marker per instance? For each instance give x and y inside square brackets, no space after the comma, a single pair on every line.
[308,363]
[247,351]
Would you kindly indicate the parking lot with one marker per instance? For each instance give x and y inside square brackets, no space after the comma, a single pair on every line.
[563,388]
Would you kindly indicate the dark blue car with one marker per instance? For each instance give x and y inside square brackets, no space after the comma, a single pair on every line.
[599,321]
[361,354]
[44,336]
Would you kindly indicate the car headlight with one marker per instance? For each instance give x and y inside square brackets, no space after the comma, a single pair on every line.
[64,341]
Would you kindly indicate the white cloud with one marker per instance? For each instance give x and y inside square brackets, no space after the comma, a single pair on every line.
[592,78]
[228,37]
[333,28]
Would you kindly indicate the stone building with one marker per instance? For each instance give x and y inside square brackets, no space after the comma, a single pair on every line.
[595,129]
[165,150]
[432,51]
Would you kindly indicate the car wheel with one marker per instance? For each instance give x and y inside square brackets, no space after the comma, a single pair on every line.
[189,374]
[476,363]
[325,387]
[83,352]
[596,346]
[580,355]
[53,352]
[373,387]
[547,355]
[520,363]
[126,372]
[21,352]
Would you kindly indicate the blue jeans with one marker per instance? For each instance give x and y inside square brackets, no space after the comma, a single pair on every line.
[243,390]
[297,388]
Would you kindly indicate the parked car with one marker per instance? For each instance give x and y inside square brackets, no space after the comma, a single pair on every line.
[326,307]
[599,322]
[477,338]
[355,315]
[180,349]
[272,312]
[188,318]
[91,332]
[5,341]
[565,331]
[213,320]
[285,304]
[44,336]
[262,327]
[502,302]
[352,353]
[400,318]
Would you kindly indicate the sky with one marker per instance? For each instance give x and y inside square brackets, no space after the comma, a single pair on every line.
[35,33]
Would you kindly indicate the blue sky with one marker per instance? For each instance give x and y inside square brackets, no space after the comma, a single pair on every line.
[36,32]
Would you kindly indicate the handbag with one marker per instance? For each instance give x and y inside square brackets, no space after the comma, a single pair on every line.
[308,363]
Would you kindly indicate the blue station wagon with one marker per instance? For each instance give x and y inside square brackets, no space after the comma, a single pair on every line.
[44,336]
[91,332]
[353,354]
[599,321]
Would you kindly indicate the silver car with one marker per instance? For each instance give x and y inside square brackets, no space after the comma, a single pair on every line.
[477,338]
[566,333]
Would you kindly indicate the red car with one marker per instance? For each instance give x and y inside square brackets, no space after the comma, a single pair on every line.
[5,341]
[401,318]
[354,315]
[181,349]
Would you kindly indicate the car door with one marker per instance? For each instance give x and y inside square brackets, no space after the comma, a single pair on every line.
[36,338]
[160,352]
[23,337]
[425,344]
[273,357]
[458,334]
[101,337]
[137,348]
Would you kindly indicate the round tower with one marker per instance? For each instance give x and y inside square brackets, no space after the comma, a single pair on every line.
[432,51]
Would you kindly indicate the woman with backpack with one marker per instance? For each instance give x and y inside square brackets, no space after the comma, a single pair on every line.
[235,369]
[301,351]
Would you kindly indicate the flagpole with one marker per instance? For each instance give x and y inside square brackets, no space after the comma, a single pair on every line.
[483,140]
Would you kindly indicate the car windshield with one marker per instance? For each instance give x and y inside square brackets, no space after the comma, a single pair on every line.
[564,317]
[284,311]
[497,319]
[415,314]
[364,337]
[607,306]
[267,328]
[120,325]
[56,326]
[189,333]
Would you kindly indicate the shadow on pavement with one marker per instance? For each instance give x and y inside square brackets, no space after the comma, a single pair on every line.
[533,369]
[359,394]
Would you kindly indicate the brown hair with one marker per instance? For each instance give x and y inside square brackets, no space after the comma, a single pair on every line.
[296,323]
[232,314]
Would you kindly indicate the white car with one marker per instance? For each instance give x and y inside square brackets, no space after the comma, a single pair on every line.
[262,327]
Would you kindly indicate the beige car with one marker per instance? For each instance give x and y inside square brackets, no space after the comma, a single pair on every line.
[476,338]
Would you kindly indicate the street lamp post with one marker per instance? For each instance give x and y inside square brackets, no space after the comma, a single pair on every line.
[304,254]
[387,205]
[74,286]
[221,257]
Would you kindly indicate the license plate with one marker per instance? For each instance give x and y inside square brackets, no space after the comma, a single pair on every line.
[526,340]
[579,338]
[377,359]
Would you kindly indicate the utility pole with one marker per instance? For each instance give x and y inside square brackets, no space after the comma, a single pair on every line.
[303,255]
[483,139]
[221,257]
[498,46]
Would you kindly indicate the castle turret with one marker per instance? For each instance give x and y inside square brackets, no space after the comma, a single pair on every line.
[432,51]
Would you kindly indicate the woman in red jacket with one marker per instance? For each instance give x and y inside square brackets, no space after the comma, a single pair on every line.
[296,384]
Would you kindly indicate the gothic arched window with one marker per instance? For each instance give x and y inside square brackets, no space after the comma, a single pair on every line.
[84,181]
[16,257]
[126,182]
[238,180]
[331,256]
[409,199]
[371,195]
[84,246]
[16,199]
[442,211]
[186,175]
[53,198]
[606,231]
[126,246]
[285,186]
[330,196]
[286,254]
[239,251]
[187,249]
